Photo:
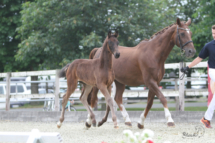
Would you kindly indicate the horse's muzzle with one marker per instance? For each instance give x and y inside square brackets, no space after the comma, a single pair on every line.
[117,55]
[190,52]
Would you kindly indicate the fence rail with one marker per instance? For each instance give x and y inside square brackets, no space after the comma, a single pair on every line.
[178,92]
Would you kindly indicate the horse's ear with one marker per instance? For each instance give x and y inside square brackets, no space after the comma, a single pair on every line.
[116,33]
[188,22]
[109,34]
[178,22]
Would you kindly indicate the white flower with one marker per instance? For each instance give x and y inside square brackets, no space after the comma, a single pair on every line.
[148,140]
[137,135]
[133,139]
[127,133]
[167,142]
[147,133]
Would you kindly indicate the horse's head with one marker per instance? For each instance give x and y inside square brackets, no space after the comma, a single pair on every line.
[183,38]
[113,44]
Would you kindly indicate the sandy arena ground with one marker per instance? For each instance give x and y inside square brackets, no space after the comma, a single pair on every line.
[77,133]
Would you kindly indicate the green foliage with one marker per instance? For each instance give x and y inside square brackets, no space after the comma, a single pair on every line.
[204,16]
[10,19]
[55,32]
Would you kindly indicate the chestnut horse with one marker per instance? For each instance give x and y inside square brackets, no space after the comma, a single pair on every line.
[144,64]
[92,72]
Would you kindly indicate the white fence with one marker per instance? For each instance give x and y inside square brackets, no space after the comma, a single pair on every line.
[178,92]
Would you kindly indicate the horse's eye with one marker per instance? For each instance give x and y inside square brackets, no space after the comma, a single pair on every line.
[182,34]
[109,43]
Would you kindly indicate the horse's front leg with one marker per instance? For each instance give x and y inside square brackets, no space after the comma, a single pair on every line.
[109,101]
[91,117]
[140,124]
[104,119]
[152,85]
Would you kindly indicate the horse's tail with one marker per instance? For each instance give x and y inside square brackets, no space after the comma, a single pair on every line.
[63,71]
[92,53]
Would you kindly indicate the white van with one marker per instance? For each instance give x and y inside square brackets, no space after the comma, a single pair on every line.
[18,88]
[15,88]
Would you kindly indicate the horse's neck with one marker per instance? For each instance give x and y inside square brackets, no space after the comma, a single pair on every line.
[106,58]
[166,44]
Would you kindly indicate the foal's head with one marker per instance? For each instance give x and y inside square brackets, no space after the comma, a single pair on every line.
[113,43]
[183,38]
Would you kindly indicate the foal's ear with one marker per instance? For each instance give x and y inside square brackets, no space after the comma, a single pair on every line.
[109,34]
[116,33]
[178,22]
[188,22]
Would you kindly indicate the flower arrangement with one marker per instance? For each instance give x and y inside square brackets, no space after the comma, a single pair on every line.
[145,137]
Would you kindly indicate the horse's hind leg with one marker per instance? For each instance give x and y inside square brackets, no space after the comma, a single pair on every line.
[118,98]
[145,112]
[83,98]
[92,97]
[109,101]
[71,88]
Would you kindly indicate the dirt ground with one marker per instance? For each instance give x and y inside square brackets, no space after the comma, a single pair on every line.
[77,132]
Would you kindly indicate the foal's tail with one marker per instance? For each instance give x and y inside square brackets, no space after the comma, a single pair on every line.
[63,71]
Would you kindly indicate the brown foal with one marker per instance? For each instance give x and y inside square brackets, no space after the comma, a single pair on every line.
[92,73]
[144,64]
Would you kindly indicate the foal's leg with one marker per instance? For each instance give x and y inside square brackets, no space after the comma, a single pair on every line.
[94,98]
[118,98]
[71,88]
[151,96]
[91,116]
[109,101]
[104,119]
[152,85]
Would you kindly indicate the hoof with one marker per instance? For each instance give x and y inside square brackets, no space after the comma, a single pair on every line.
[94,124]
[116,127]
[128,124]
[87,125]
[140,126]
[100,123]
[171,124]
[59,124]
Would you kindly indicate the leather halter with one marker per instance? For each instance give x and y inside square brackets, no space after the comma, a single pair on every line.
[179,39]
[181,47]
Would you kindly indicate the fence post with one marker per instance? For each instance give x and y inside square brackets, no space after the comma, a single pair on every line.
[181,90]
[8,92]
[57,89]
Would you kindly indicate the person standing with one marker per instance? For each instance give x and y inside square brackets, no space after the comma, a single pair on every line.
[207,51]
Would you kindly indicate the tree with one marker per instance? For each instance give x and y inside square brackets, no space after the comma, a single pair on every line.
[9,21]
[54,32]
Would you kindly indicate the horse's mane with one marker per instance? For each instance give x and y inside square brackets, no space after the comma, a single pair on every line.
[161,31]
